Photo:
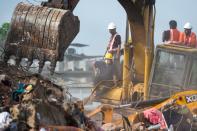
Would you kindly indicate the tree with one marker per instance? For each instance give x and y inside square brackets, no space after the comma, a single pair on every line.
[4,30]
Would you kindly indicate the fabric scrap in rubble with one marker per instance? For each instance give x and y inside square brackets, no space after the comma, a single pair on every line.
[16,93]
[155,117]
[5,119]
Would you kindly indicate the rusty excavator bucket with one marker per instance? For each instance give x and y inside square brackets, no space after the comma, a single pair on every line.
[40,32]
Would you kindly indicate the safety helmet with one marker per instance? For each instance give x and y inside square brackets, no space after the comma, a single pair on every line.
[108,56]
[187,26]
[111,26]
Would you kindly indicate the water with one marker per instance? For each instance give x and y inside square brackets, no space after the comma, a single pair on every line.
[79,87]
[78,83]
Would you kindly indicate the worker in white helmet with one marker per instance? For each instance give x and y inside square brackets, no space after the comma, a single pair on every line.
[113,47]
[188,38]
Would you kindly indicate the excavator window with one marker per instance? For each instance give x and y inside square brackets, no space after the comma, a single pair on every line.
[168,73]
[193,75]
[169,69]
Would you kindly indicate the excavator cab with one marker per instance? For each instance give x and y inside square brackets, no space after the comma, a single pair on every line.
[173,70]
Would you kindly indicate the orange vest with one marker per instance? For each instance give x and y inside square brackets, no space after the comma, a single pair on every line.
[112,40]
[174,35]
[188,40]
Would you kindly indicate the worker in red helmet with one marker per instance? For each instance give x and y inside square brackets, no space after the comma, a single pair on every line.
[188,38]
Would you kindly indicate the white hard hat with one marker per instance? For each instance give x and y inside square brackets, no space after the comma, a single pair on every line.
[111,26]
[187,26]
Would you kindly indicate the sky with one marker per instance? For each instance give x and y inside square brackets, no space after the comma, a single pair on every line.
[95,15]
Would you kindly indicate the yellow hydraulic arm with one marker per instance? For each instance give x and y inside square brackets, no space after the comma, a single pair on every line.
[141,20]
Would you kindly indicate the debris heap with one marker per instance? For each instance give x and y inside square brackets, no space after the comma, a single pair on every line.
[43,105]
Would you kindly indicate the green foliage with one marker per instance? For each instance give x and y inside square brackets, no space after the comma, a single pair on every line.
[3,31]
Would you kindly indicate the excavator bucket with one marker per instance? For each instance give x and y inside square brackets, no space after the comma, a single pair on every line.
[42,33]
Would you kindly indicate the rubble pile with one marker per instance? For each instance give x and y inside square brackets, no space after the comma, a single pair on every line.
[40,103]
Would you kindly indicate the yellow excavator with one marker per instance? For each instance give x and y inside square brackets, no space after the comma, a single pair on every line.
[136,70]
[148,76]
[163,79]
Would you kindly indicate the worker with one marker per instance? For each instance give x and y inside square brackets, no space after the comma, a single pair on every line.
[114,48]
[171,36]
[188,38]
